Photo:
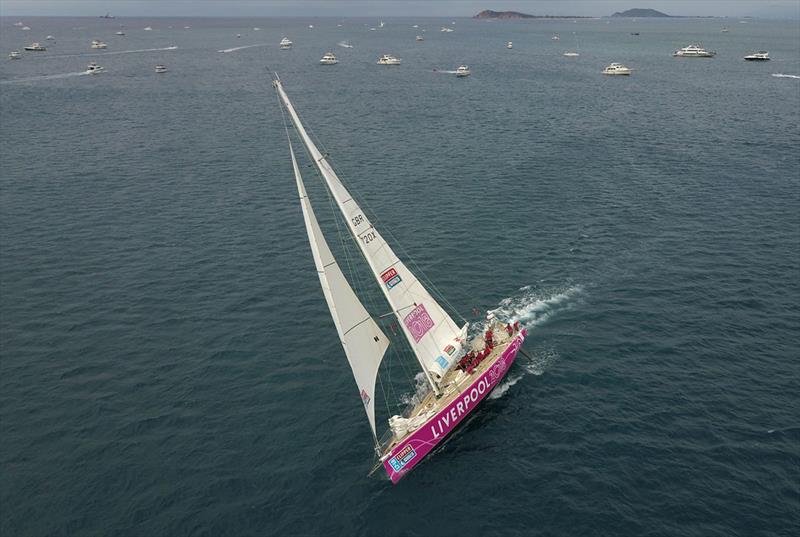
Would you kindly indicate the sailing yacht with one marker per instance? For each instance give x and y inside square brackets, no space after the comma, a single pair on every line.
[454,387]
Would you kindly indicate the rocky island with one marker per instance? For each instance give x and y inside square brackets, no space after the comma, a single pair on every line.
[639,12]
[489,14]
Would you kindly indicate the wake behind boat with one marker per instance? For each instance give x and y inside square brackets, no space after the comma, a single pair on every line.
[459,373]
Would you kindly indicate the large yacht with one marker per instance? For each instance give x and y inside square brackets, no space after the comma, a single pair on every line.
[35,47]
[388,59]
[329,59]
[98,44]
[286,43]
[694,51]
[463,71]
[616,69]
[760,56]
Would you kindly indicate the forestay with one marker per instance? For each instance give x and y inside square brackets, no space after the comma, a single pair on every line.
[432,334]
[363,341]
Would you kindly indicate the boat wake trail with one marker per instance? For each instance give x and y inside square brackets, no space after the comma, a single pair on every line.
[344,44]
[781,75]
[532,307]
[45,77]
[112,53]
[445,71]
[234,49]
[539,361]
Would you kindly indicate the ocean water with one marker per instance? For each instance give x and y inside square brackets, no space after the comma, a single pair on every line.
[168,366]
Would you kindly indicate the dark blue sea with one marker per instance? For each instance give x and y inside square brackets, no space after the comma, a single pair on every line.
[168,366]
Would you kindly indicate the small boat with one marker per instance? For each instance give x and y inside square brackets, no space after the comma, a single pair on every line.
[634,33]
[760,56]
[148,29]
[509,45]
[555,38]
[570,54]
[187,27]
[50,38]
[345,44]
[381,25]
[329,59]
[120,33]
[35,47]
[26,28]
[616,69]
[286,44]
[19,23]
[415,26]
[463,71]
[15,55]
[107,16]
[420,38]
[94,69]
[256,29]
[693,51]
[311,26]
[388,59]
[458,371]
[98,44]
[160,68]
[238,36]
[446,29]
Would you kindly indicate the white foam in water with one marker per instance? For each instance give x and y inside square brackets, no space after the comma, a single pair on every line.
[110,53]
[234,49]
[45,77]
[781,75]
[503,387]
[534,306]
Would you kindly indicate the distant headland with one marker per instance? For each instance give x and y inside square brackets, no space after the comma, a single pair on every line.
[638,12]
[489,14]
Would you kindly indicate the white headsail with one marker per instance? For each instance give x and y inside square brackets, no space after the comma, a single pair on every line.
[363,341]
[432,334]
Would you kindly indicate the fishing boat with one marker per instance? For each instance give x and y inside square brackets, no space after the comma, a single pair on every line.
[35,47]
[459,373]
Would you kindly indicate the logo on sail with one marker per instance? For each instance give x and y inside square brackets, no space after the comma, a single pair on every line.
[403,457]
[418,322]
[391,278]
[364,397]
[449,350]
[442,361]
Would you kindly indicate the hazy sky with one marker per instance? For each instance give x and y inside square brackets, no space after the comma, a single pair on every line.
[387,8]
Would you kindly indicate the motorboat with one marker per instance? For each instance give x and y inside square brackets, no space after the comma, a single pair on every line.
[50,38]
[35,47]
[388,59]
[329,59]
[148,29]
[693,51]
[15,55]
[26,28]
[760,56]
[446,29]
[420,38]
[311,26]
[509,45]
[570,54]
[160,68]
[463,71]
[98,44]
[725,30]
[94,69]
[19,23]
[286,43]
[120,33]
[616,69]
[555,38]
[238,36]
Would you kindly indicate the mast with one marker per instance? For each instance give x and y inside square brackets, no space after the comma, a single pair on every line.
[363,341]
[433,336]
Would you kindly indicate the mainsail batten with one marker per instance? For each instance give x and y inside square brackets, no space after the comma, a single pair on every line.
[433,336]
[363,341]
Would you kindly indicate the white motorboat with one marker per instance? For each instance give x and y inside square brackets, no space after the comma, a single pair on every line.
[160,68]
[420,38]
[388,59]
[256,29]
[35,47]
[724,30]
[616,69]
[94,69]
[311,26]
[120,33]
[238,36]
[555,38]
[19,23]
[286,43]
[329,59]
[693,51]
[760,56]
[26,28]
[509,45]
[570,54]
[15,55]
[463,71]
[148,29]
[98,44]
[50,38]
[446,29]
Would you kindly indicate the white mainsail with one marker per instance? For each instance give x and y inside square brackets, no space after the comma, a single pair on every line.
[434,337]
[363,341]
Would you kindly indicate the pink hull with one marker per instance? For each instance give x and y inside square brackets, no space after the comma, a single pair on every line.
[413,449]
